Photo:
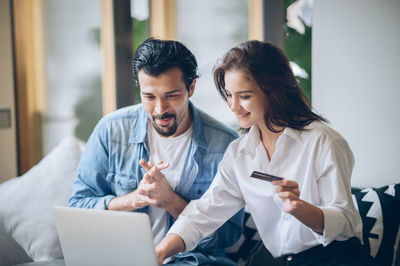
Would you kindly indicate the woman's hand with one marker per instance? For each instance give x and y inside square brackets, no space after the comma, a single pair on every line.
[160,256]
[310,215]
[170,245]
[288,191]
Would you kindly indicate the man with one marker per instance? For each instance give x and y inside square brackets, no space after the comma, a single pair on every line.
[121,166]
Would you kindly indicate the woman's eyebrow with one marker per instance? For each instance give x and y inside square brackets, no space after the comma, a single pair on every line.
[241,92]
[248,91]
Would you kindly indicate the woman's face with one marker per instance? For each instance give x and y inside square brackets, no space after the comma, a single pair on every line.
[245,99]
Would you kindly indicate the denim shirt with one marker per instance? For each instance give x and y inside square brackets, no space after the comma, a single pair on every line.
[109,167]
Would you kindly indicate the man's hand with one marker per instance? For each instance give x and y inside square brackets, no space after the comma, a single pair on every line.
[132,200]
[153,190]
[140,197]
[158,192]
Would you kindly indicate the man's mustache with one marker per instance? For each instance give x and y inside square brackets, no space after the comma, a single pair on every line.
[163,116]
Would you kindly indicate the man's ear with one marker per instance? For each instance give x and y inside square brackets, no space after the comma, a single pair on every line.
[192,87]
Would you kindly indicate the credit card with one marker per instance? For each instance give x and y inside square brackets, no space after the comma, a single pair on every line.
[265,177]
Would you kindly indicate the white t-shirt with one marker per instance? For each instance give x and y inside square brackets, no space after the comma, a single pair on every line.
[318,158]
[171,150]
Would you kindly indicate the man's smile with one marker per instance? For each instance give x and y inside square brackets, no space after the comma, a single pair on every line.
[164,119]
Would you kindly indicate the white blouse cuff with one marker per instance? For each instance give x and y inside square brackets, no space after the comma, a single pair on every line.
[334,223]
[187,231]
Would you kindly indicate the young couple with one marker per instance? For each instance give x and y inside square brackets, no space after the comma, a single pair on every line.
[192,175]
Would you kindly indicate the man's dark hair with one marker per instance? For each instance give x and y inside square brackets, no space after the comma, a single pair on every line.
[267,66]
[155,57]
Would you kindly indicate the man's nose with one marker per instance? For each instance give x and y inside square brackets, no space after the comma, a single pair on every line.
[161,106]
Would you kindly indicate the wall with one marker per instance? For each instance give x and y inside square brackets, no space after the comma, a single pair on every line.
[208,41]
[8,154]
[356,70]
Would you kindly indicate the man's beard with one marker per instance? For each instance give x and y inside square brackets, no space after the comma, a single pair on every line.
[165,131]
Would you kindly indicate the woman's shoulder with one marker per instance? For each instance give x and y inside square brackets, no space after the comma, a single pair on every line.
[240,145]
[321,131]
[237,143]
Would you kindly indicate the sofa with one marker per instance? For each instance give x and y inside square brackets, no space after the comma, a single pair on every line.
[28,233]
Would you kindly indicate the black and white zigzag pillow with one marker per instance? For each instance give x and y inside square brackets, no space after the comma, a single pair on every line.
[248,243]
[380,212]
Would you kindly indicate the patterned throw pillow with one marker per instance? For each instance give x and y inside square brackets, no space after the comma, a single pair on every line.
[380,212]
[26,204]
[247,245]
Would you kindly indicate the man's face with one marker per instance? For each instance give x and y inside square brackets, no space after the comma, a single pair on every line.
[166,101]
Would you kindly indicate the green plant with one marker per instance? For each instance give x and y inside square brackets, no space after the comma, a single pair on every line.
[298,48]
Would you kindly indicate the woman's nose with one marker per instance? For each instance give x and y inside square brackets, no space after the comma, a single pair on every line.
[233,104]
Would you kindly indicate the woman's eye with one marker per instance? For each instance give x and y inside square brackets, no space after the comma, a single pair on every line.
[245,97]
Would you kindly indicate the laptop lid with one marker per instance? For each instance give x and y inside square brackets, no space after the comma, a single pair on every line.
[104,238]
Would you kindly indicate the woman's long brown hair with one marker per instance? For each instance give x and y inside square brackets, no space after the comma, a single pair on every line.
[267,66]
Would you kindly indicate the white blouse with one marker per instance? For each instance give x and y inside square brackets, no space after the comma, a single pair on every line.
[318,158]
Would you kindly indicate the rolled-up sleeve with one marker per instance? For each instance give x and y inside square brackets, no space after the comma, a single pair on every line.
[91,189]
[341,218]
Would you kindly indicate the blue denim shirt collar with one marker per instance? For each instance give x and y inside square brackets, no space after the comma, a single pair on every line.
[139,134]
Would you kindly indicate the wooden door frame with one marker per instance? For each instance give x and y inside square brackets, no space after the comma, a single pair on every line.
[29,80]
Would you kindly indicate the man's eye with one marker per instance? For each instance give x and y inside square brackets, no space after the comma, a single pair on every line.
[172,96]
[148,97]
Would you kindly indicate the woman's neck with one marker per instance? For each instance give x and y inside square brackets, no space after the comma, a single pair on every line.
[269,139]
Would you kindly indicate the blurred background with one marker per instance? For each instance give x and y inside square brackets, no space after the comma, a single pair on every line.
[66,63]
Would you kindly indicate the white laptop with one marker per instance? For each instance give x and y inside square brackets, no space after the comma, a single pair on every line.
[104,238]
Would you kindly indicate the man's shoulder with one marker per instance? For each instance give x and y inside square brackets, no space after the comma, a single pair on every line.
[214,126]
[120,124]
[122,115]
[214,135]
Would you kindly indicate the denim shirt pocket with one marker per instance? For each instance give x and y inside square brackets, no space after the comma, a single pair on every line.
[122,184]
[197,190]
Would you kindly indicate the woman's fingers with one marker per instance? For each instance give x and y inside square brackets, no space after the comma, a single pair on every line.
[285,182]
[287,185]
[287,195]
[295,190]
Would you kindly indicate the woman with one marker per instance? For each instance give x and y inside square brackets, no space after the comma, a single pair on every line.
[306,218]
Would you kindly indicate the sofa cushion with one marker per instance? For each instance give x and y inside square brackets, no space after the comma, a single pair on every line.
[26,202]
[378,208]
[248,244]
[10,252]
